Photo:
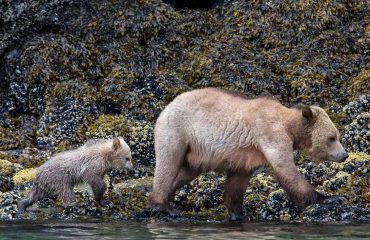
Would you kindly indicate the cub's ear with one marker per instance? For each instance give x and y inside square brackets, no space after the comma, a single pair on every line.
[307,113]
[116,144]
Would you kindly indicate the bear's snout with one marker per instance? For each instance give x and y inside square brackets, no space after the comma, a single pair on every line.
[344,157]
[340,157]
[129,165]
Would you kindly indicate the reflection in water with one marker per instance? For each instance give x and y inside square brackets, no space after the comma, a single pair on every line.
[122,230]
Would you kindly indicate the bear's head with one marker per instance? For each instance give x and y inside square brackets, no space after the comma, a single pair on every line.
[121,154]
[323,136]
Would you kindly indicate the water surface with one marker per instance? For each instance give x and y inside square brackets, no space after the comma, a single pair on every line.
[123,230]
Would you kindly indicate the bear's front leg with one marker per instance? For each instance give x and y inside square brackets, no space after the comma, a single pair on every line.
[68,196]
[35,195]
[234,190]
[99,187]
[280,158]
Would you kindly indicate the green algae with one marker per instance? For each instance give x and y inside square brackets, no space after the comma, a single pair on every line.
[360,85]
[24,176]
[8,168]
[107,126]
[131,58]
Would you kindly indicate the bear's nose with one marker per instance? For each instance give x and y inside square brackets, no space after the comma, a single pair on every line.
[345,156]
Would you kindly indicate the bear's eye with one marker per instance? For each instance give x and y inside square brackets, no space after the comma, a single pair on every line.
[332,139]
[127,159]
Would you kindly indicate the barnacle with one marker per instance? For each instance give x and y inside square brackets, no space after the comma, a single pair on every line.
[79,70]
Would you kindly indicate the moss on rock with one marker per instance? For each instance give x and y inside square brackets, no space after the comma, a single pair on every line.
[8,168]
[108,126]
[360,85]
[24,176]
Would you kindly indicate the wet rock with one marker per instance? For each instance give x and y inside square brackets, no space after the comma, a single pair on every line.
[143,184]
[72,70]
[336,213]
[279,207]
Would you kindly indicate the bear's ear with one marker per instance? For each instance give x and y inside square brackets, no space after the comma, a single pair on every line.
[116,144]
[307,113]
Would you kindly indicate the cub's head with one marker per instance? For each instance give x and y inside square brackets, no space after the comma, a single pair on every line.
[121,154]
[324,136]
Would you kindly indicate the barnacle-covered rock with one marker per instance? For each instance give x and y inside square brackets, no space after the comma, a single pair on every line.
[360,105]
[17,132]
[27,157]
[141,138]
[60,122]
[6,183]
[203,193]
[357,134]
[108,126]
[74,70]
[335,213]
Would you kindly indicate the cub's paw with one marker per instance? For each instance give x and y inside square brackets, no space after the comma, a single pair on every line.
[104,203]
[20,212]
[166,209]
[234,217]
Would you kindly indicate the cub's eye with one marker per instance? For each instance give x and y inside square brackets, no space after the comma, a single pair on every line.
[127,159]
[332,139]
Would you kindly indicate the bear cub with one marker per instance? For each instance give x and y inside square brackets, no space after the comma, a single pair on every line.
[86,164]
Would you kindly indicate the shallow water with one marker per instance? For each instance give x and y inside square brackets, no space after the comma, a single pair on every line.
[122,230]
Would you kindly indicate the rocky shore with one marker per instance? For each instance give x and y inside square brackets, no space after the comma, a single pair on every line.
[75,70]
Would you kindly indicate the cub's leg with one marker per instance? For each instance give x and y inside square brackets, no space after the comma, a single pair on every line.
[98,186]
[35,195]
[68,196]
[234,190]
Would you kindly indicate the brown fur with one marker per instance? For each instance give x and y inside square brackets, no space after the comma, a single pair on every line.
[87,164]
[216,130]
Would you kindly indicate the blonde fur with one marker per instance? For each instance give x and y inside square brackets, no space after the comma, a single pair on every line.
[86,164]
[216,130]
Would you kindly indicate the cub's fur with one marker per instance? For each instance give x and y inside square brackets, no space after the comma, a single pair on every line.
[86,164]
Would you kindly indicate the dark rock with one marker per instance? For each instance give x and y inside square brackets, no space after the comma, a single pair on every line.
[336,213]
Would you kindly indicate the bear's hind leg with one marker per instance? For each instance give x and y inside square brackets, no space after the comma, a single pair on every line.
[170,156]
[234,190]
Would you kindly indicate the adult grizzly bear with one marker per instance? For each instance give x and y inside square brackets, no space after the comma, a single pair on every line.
[86,164]
[216,130]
